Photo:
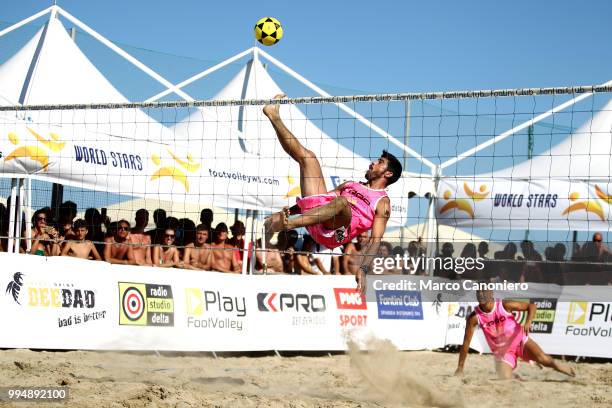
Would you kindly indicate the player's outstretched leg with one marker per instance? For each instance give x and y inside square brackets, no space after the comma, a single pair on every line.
[312,181]
[532,351]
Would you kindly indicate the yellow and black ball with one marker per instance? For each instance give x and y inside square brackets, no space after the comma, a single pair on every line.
[268,31]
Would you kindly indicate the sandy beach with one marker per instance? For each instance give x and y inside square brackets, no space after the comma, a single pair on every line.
[385,377]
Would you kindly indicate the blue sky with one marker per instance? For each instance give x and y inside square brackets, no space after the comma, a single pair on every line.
[383,46]
[368,47]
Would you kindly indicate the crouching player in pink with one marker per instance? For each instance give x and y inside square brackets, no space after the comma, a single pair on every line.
[507,339]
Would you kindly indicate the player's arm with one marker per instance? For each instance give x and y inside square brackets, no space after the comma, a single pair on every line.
[207,265]
[236,266]
[531,308]
[187,258]
[470,325]
[148,257]
[381,217]
[339,189]
[302,261]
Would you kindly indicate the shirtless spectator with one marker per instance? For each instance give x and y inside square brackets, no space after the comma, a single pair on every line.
[139,240]
[307,263]
[273,258]
[81,248]
[116,248]
[198,255]
[223,259]
[352,259]
[237,240]
[44,237]
[166,255]
[206,218]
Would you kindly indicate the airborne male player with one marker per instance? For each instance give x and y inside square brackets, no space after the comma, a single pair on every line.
[334,218]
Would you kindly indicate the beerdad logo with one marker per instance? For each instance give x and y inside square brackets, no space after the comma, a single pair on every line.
[399,304]
[145,304]
[589,319]
[58,295]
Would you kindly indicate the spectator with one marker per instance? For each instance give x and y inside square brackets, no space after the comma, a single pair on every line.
[308,264]
[116,248]
[198,255]
[81,248]
[44,237]
[172,223]
[531,269]
[595,253]
[237,240]
[506,268]
[285,242]
[384,252]
[206,218]
[66,232]
[187,234]
[139,240]
[94,220]
[483,249]
[166,255]
[469,251]
[398,267]
[273,258]
[353,259]
[223,259]
[157,233]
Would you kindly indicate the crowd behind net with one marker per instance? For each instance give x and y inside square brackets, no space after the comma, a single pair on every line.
[223,155]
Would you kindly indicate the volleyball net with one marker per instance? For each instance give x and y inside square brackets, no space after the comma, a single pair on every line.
[499,167]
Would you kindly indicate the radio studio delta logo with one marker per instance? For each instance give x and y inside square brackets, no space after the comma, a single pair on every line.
[589,319]
[207,309]
[545,316]
[304,309]
[59,296]
[352,307]
[144,304]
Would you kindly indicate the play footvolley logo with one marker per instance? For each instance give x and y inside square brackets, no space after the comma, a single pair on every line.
[545,316]
[399,304]
[144,304]
[207,309]
[589,319]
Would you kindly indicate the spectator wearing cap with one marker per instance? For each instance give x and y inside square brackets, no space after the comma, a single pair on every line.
[223,258]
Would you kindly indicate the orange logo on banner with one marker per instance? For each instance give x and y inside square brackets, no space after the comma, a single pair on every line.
[36,153]
[175,172]
[462,204]
[591,206]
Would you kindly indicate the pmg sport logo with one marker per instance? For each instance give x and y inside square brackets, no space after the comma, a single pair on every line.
[351,305]
[290,302]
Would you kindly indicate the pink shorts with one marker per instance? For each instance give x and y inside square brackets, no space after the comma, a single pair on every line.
[319,233]
[514,353]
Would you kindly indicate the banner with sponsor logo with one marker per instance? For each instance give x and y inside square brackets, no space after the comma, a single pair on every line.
[68,303]
[536,204]
[218,173]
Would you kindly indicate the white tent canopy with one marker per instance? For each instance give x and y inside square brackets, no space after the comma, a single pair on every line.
[568,187]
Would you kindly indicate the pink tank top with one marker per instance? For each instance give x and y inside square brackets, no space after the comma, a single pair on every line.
[363,201]
[500,328]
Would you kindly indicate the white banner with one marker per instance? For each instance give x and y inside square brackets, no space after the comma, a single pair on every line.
[211,170]
[67,303]
[516,204]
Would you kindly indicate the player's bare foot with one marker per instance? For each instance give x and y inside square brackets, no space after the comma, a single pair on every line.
[272,111]
[276,222]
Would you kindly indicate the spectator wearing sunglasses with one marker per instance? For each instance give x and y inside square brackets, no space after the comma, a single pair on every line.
[44,236]
[166,255]
[116,248]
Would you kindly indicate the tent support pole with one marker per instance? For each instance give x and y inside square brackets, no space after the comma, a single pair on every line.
[124,54]
[10,247]
[26,21]
[432,222]
[245,252]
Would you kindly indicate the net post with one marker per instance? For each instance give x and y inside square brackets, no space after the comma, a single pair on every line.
[245,252]
[11,209]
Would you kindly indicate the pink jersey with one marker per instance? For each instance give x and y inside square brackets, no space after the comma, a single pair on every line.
[363,201]
[504,335]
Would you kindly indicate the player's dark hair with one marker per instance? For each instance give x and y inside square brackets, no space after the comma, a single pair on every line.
[393,166]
